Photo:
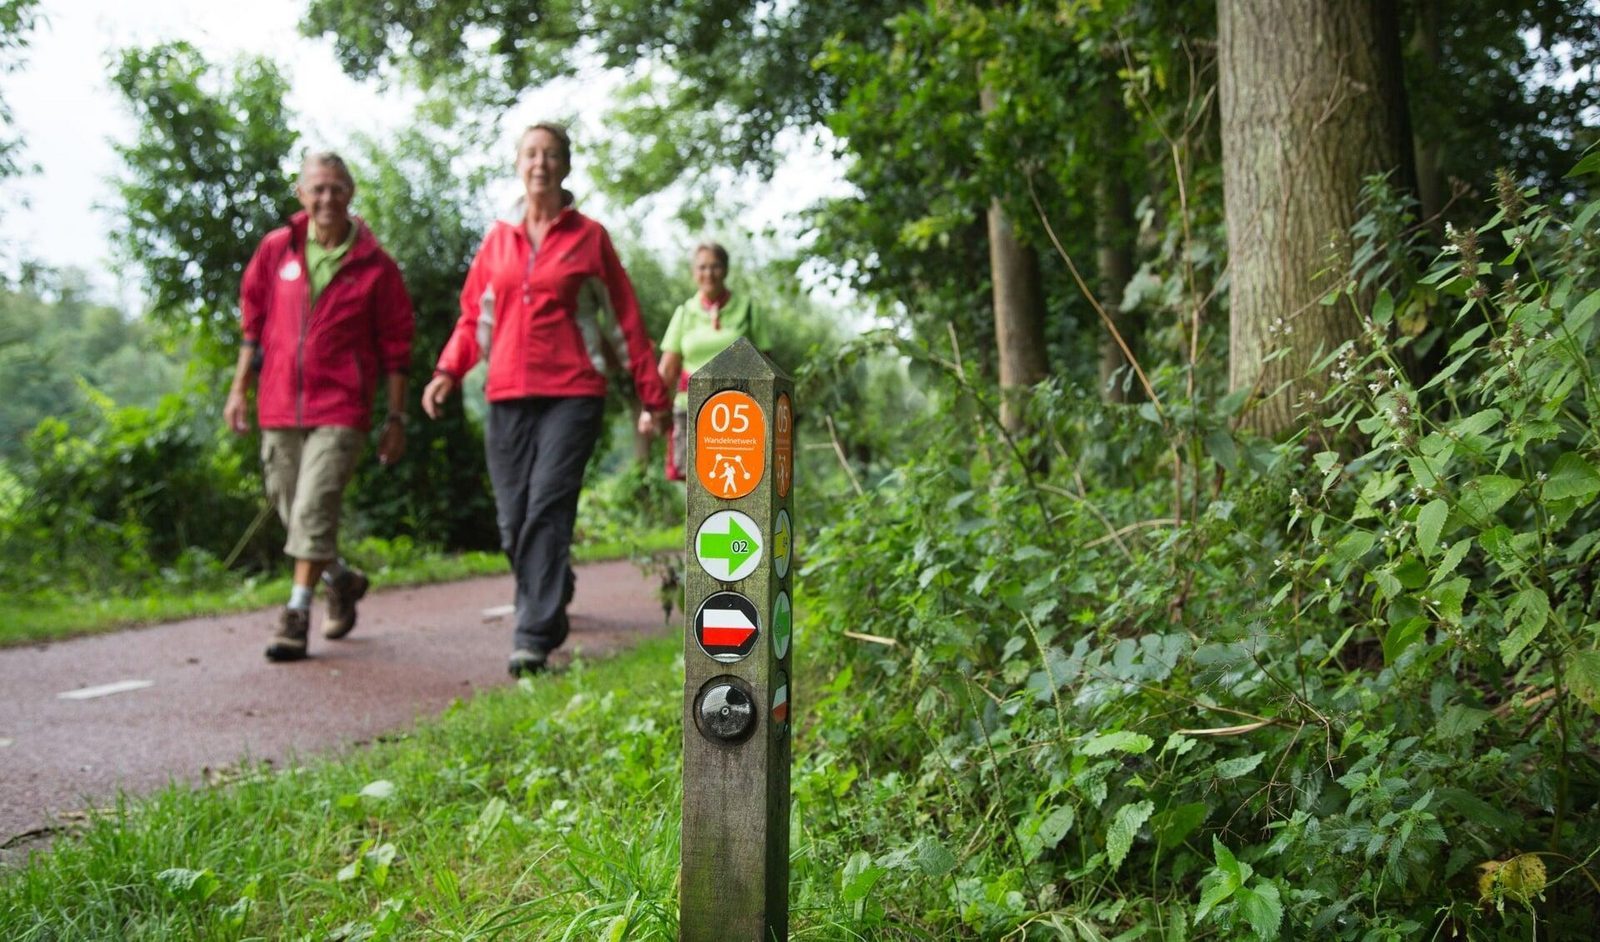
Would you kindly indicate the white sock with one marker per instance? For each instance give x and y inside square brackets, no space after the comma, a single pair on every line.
[300,597]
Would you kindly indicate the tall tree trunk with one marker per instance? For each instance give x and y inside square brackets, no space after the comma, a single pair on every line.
[1114,234]
[1426,53]
[1018,308]
[1308,111]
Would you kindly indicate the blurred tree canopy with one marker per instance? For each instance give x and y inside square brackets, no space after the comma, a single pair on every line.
[1105,112]
[17,20]
[59,347]
[209,174]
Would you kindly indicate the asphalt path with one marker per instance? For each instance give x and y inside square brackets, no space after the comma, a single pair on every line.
[128,712]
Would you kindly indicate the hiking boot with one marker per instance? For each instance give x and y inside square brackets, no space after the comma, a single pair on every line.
[344,591]
[289,644]
[526,662]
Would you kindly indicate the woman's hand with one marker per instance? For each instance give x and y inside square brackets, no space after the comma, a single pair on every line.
[436,392]
[645,425]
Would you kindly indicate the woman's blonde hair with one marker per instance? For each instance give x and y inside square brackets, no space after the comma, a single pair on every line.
[557,131]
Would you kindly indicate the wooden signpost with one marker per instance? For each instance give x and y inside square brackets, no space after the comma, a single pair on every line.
[737,654]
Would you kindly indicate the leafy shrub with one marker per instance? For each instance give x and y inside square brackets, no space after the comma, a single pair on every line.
[1150,676]
[143,490]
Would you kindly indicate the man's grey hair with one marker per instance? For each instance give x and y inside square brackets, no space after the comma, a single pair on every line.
[326,158]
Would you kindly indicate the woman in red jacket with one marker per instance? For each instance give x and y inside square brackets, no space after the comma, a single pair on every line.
[547,303]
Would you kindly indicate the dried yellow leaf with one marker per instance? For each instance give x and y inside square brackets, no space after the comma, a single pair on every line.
[1486,879]
[1521,878]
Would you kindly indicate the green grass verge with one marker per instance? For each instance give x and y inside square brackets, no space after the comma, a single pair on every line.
[34,618]
[548,809]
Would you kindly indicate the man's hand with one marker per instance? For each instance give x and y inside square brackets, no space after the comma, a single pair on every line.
[392,440]
[436,392]
[236,412]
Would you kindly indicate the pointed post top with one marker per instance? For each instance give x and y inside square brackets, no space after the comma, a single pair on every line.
[741,360]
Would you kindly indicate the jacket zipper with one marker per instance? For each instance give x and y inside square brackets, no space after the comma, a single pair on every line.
[300,348]
[527,272]
[305,332]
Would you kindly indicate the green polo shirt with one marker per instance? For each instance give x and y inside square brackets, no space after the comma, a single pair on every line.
[690,333]
[322,263]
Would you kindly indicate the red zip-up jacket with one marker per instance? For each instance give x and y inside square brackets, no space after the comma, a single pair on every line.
[320,363]
[549,320]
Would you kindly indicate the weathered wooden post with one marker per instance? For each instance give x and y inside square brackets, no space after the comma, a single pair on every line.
[736,652]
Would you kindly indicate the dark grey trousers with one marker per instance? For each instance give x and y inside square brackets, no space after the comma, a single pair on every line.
[537,449]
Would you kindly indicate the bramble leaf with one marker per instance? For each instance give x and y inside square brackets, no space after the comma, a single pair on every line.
[1233,768]
[1527,611]
[1430,523]
[1481,497]
[1263,908]
[1572,476]
[1583,678]
[1126,823]
[1119,741]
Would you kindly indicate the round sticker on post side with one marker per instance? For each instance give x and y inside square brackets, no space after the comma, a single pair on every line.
[780,703]
[728,545]
[782,625]
[783,445]
[726,627]
[730,453]
[782,544]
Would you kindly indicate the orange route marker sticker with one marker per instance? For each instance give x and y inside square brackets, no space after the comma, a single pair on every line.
[730,453]
[783,445]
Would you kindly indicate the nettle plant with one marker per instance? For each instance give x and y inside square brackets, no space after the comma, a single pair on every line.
[1459,542]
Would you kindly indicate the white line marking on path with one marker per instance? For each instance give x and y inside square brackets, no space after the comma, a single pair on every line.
[105,690]
[6,742]
[499,611]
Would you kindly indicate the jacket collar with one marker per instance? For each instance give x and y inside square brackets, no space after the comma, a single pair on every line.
[518,210]
[300,227]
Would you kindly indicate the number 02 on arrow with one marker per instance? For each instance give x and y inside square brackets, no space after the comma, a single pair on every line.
[728,545]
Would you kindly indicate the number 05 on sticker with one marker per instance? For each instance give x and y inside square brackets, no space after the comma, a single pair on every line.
[730,444]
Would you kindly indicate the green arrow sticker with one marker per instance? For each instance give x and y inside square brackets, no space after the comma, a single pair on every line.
[728,545]
[782,625]
[781,543]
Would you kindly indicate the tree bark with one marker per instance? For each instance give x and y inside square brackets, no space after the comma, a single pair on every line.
[1018,309]
[1114,234]
[1308,110]
[1425,49]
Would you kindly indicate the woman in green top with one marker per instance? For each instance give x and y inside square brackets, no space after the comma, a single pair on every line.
[701,328]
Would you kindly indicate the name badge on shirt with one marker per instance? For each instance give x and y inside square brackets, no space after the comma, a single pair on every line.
[290,270]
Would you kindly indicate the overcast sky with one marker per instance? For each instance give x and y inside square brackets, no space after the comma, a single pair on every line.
[68,116]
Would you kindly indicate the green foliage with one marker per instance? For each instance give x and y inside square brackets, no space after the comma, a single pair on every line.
[17,19]
[1175,677]
[750,60]
[425,215]
[58,347]
[140,492]
[1485,93]
[207,178]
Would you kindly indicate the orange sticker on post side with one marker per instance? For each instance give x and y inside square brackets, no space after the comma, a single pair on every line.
[783,446]
[730,451]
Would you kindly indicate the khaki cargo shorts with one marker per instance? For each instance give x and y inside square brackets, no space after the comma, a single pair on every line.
[306,470]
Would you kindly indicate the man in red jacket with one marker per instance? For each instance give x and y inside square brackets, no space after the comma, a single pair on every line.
[325,314]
